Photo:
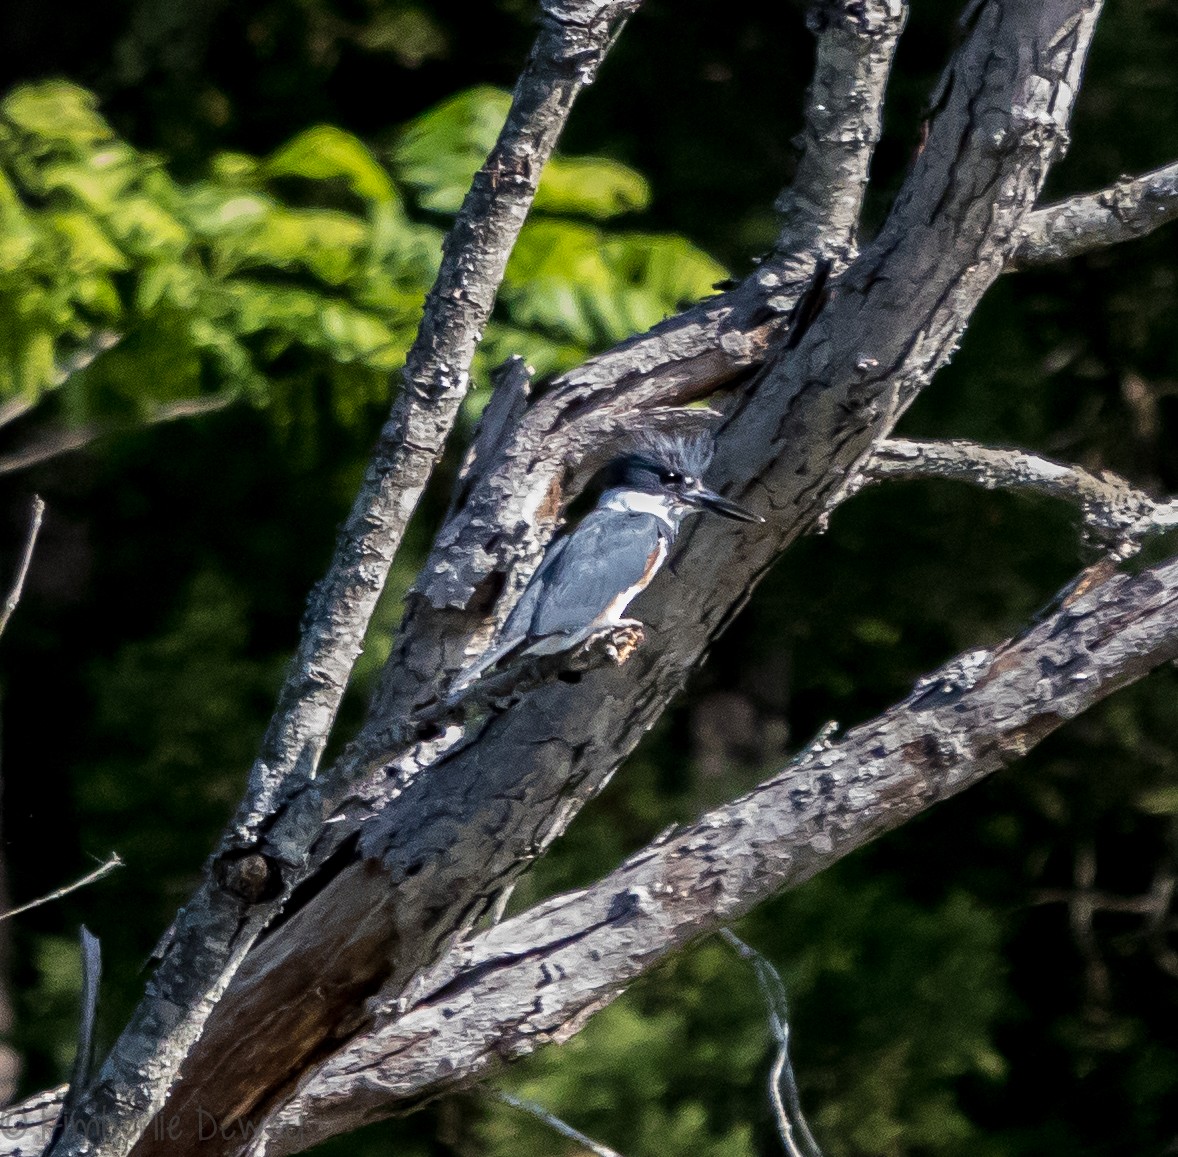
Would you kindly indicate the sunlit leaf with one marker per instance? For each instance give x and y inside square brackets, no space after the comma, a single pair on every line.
[441,150]
[592,187]
[325,152]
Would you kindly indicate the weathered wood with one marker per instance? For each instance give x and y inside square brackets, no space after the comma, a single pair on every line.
[1133,207]
[244,887]
[537,978]
[455,819]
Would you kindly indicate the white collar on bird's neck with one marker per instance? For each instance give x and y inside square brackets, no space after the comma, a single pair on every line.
[662,506]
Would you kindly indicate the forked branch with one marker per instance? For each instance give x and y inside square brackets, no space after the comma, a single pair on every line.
[537,977]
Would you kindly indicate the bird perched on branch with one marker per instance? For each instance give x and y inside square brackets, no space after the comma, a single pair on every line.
[590,576]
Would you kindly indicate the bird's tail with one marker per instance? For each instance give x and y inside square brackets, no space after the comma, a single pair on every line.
[481,665]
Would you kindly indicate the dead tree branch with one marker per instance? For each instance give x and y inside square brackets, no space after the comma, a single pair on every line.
[445,824]
[243,890]
[536,978]
[1131,208]
[1114,512]
[796,1138]
[113,861]
[53,442]
[844,110]
[557,1125]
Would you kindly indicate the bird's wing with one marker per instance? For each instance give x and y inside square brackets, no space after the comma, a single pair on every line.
[607,554]
[519,623]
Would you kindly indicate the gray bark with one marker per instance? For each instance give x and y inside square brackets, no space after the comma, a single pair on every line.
[243,890]
[1131,208]
[1114,513]
[405,842]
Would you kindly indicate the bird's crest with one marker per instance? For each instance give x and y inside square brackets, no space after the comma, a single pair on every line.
[689,454]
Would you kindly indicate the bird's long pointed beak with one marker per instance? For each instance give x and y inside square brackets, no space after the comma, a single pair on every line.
[707,499]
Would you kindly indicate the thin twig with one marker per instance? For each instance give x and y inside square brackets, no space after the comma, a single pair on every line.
[103,870]
[99,342]
[82,1069]
[1131,208]
[555,1123]
[36,513]
[53,443]
[795,1134]
[1113,511]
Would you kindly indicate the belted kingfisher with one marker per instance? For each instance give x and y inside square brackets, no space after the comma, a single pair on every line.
[590,576]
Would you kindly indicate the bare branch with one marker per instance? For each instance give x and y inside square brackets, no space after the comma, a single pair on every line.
[243,889]
[36,513]
[844,113]
[84,1056]
[1131,208]
[98,342]
[538,976]
[556,1124]
[53,443]
[1113,511]
[792,1128]
[100,873]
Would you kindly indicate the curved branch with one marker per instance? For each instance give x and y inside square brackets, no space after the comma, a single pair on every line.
[1113,511]
[537,977]
[36,513]
[1131,208]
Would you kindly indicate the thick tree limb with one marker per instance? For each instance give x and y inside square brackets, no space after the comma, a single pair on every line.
[1113,511]
[1131,208]
[242,890]
[445,825]
[537,977]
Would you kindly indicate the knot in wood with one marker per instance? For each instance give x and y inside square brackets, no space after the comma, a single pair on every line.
[249,875]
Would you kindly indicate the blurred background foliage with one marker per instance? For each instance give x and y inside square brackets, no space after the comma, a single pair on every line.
[217,223]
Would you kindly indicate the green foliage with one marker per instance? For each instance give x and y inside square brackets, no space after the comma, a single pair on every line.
[270,274]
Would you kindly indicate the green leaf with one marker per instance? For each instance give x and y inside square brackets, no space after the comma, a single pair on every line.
[442,149]
[56,111]
[1159,801]
[324,241]
[88,248]
[591,186]
[325,152]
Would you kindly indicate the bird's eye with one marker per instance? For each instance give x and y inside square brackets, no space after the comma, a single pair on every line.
[672,477]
